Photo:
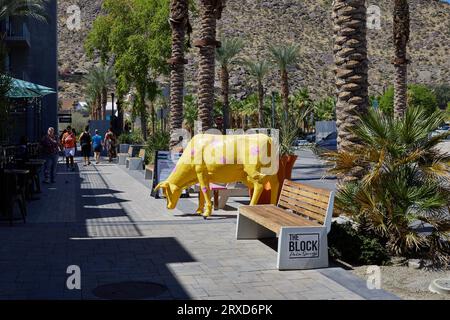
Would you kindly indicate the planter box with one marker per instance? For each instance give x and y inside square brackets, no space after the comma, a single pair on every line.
[135,149]
[123,148]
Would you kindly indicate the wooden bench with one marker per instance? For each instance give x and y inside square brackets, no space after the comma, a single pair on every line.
[301,221]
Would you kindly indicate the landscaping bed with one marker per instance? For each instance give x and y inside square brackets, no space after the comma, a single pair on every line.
[407,282]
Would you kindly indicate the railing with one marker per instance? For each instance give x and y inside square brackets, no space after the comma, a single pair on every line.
[19,34]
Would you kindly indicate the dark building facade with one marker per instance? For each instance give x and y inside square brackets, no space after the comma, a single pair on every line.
[32,56]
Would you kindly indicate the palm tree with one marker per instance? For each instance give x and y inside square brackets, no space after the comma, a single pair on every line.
[405,178]
[350,53]
[190,113]
[93,96]
[285,56]
[35,9]
[99,81]
[258,70]
[401,37]
[210,11]
[225,56]
[179,15]
[302,107]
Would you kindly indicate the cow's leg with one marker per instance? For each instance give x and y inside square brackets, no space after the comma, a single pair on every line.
[204,188]
[201,202]
[258,188]
[257,180]
[274,186]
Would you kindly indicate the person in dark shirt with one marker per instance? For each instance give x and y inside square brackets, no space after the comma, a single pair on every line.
[85,142]
[50,148]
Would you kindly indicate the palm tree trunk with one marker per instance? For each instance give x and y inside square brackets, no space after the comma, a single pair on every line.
[285,91]
[98,110]
[210,10]
[144,121]
[104,103]
[153,116]
[401,37]
[225,78]
[261,104]
[178,19]
[350,54]
[119,115]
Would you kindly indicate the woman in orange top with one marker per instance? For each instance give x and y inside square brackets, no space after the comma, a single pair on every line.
[69,141]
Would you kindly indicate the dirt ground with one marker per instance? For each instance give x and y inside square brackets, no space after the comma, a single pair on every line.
[408,283]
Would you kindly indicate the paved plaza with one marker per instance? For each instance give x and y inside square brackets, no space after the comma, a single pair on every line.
[102,219]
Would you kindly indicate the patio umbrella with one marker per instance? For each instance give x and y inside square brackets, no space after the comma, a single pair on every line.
[25,89]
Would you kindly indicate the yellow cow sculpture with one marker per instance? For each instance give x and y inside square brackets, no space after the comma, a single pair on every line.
[223,159]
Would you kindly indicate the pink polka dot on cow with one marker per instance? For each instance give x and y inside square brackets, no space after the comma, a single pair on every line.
[254,151]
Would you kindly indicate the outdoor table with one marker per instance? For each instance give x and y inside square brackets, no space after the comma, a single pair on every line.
[21,174]
[215,189]
[34,165]
[19,185]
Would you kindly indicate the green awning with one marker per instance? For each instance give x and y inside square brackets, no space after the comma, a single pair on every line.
[25,89]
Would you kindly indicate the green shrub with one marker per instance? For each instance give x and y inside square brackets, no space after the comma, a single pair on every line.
[403,178]
[442,93]
[156,142]
[134,137]
[349,245]
[418,96]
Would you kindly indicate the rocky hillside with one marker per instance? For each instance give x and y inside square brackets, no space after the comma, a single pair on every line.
[306,22]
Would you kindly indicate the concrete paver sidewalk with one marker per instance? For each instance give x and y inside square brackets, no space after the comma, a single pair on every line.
[102,219]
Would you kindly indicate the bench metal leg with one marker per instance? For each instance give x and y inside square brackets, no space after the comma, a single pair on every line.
[122,159]
[134,164]
[148,175]
[302,248]
[248,229]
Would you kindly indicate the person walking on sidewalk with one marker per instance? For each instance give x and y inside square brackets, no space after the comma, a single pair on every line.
[50,148]
[69,141]
[97,144]
[85,142]
[110,144]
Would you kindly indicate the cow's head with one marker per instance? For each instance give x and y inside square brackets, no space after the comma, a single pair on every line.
[171,192]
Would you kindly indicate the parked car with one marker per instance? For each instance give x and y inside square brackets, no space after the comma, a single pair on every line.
[442,129]
[329,142]
[311,137]
[300,143]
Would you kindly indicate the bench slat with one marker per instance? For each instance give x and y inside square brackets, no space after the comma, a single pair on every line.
[303,205]
[288,192]
[273,218]
[288,205]
[290,216]
[308,194]
[297,185]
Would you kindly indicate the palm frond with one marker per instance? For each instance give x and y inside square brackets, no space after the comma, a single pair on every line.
[35,9]
[226,53]
[285,55]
